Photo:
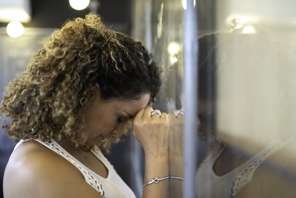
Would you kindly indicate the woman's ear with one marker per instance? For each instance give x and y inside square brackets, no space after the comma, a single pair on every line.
[96,89]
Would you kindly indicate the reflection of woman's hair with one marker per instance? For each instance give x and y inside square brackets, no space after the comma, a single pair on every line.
[219,50]
[254,73]
[48,99]
[207,66]
[206,80]
[206,71]
[232,52]
[173,83]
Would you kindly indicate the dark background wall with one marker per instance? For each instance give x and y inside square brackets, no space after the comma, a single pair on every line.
[53,13]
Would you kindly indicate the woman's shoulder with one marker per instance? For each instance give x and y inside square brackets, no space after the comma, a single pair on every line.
[35,171]
[276,176]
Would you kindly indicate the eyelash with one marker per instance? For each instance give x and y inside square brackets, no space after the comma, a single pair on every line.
[119,120]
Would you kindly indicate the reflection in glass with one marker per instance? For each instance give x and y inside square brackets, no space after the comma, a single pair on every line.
[246,99]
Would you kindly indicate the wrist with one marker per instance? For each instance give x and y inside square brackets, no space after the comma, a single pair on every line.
[157,160]
[156,167]
[157,154]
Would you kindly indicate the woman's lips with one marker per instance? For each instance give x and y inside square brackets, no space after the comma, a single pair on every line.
[106,137]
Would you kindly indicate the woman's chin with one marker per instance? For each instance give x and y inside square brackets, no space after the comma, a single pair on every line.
[92,141]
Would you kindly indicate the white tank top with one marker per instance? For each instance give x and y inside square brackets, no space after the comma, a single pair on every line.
[110,187]
[210,185]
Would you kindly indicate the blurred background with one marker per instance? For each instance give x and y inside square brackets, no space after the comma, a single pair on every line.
[254,92]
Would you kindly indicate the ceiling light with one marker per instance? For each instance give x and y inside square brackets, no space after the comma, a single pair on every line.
[173,48]
[79,4]
[15,29]
[184,4]
[19,10]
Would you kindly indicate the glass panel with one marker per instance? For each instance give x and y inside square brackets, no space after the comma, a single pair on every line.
[255,99]
[246,100]
[246,96]
[159,24]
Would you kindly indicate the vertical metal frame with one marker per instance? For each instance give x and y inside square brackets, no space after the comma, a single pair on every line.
[190,93]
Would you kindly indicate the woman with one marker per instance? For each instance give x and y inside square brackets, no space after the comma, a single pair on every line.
[78,92]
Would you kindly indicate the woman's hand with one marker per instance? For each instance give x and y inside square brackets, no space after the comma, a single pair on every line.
[152,132]
[176,124]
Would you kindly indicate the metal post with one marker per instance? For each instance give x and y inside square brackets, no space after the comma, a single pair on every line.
[190,93]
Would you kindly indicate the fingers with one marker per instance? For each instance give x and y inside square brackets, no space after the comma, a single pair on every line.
[150,128]
[148,116]
[152,113]
[149,113]
[176,117]
[178,112]
[164,116]
[156,112]
[143,112]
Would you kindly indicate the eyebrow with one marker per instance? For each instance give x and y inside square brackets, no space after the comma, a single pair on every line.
[129,115]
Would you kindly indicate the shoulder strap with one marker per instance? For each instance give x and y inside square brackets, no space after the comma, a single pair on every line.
[89,178]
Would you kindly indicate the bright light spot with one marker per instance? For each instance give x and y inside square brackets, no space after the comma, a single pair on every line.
[160,18]
[173,48]
[238,21]
[15,29]
[249,29]
[184,4]
[14,14]
[79,4]
[238,26]
[173,59]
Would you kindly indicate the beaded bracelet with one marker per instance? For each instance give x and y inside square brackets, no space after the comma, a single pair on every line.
[157,180]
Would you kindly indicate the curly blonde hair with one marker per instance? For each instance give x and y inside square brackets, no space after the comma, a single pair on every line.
[49,97]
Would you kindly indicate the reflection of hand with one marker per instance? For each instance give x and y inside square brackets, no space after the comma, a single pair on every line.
[176,137]
[152,132]
[176,124]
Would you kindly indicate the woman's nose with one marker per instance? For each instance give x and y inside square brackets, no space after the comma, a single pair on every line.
[118,131]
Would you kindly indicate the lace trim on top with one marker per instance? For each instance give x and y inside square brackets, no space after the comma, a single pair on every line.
[90,179]
[246,175]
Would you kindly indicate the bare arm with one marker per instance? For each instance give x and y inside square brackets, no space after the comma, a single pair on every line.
[152,133]
[176,154]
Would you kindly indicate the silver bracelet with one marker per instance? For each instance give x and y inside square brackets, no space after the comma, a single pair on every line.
[156,180]
[174,177]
